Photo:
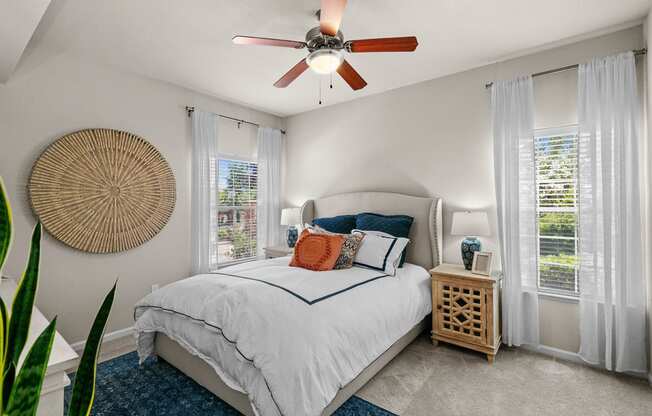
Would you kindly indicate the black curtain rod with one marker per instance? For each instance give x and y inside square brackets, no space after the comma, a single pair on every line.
[190,110]
[637,52]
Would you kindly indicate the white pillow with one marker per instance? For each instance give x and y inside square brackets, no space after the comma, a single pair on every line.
[315,229]
[380,251]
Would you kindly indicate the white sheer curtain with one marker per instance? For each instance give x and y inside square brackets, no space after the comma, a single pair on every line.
[268,217]
[203,192]
[513,128]
[612,286]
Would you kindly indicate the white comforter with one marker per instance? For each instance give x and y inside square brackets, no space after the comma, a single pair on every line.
[288,337]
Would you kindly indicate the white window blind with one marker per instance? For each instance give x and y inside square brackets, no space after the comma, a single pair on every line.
[557,211]
[236,214]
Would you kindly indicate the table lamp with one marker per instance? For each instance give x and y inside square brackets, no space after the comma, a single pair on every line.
[470,225]
[291,217]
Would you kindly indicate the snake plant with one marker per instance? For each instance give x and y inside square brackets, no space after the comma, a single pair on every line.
[21,384]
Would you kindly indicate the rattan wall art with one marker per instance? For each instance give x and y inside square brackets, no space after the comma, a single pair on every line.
[102,191]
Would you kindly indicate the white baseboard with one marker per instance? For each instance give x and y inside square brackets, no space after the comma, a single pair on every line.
[109,337]
[556,352]
[575,358]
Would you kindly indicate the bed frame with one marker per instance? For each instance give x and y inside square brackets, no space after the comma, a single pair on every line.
[425,250]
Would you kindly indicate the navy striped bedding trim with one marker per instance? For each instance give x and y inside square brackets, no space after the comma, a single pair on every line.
[296,295]
[221,332]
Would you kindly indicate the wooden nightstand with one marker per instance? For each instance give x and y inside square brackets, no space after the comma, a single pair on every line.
[277,251]
[466,309]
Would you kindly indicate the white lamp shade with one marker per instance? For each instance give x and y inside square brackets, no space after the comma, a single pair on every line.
[290,216]
[470,224]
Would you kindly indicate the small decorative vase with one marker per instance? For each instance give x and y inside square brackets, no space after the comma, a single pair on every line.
[469,246]
[293,234]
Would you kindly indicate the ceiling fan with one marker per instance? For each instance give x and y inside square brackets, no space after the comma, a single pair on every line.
[326,44]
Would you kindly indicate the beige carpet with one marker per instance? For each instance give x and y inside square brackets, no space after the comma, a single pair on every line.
[446,380]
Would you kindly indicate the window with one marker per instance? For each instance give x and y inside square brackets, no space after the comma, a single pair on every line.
[236,213]
[557,210]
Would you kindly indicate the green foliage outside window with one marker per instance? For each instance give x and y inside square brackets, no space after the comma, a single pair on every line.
[557,224]
[556,170]
[241,183]
[243,245]
[237,193]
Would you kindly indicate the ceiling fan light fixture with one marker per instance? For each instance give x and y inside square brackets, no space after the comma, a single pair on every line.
[325,61]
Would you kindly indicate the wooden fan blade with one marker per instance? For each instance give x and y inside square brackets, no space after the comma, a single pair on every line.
[251,40]
[404,44]
[292,74]
[351,76]
[330,16]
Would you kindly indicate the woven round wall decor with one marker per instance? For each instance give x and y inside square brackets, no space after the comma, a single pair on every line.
[102,190]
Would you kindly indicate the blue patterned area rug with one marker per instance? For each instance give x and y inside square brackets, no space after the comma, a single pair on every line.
[123,388]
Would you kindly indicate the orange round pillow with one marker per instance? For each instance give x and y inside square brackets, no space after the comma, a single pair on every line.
[317,252]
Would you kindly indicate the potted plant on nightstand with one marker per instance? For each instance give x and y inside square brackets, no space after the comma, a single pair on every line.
[21,387]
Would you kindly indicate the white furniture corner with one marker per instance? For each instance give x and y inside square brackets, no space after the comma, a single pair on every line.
[278,251]
[62,358]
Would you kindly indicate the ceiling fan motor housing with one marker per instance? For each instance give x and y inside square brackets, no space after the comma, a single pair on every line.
[317,40]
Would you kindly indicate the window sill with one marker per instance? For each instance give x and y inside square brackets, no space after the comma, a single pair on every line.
[234,262]
[558,297]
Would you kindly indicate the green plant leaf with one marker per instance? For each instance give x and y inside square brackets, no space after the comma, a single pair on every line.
[26,392]
[3,339]
[5,225]
[8,381]
[21,310]
[5,326]
[83,391]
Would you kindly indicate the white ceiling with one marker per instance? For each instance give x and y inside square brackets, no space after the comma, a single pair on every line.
[189,42]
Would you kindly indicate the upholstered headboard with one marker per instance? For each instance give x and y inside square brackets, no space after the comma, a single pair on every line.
[425,247]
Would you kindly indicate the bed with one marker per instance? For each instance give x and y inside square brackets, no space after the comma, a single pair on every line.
[275,340]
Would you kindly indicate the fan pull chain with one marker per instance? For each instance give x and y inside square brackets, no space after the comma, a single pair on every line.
[331,80]
[319,90]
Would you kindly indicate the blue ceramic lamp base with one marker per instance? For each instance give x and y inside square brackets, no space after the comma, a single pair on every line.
[469,246]
[293,234]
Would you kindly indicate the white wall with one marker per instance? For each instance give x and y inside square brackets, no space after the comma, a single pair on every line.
[647,183]
[434,138]
[66,94]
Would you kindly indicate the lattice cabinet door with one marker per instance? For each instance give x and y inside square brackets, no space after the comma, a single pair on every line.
[466,309]
[462,310]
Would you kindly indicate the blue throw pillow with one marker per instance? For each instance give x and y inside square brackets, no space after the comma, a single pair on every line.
[396,225]
[341,224]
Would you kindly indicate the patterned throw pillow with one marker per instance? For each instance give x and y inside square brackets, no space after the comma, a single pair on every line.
[318,252]
[349,248]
